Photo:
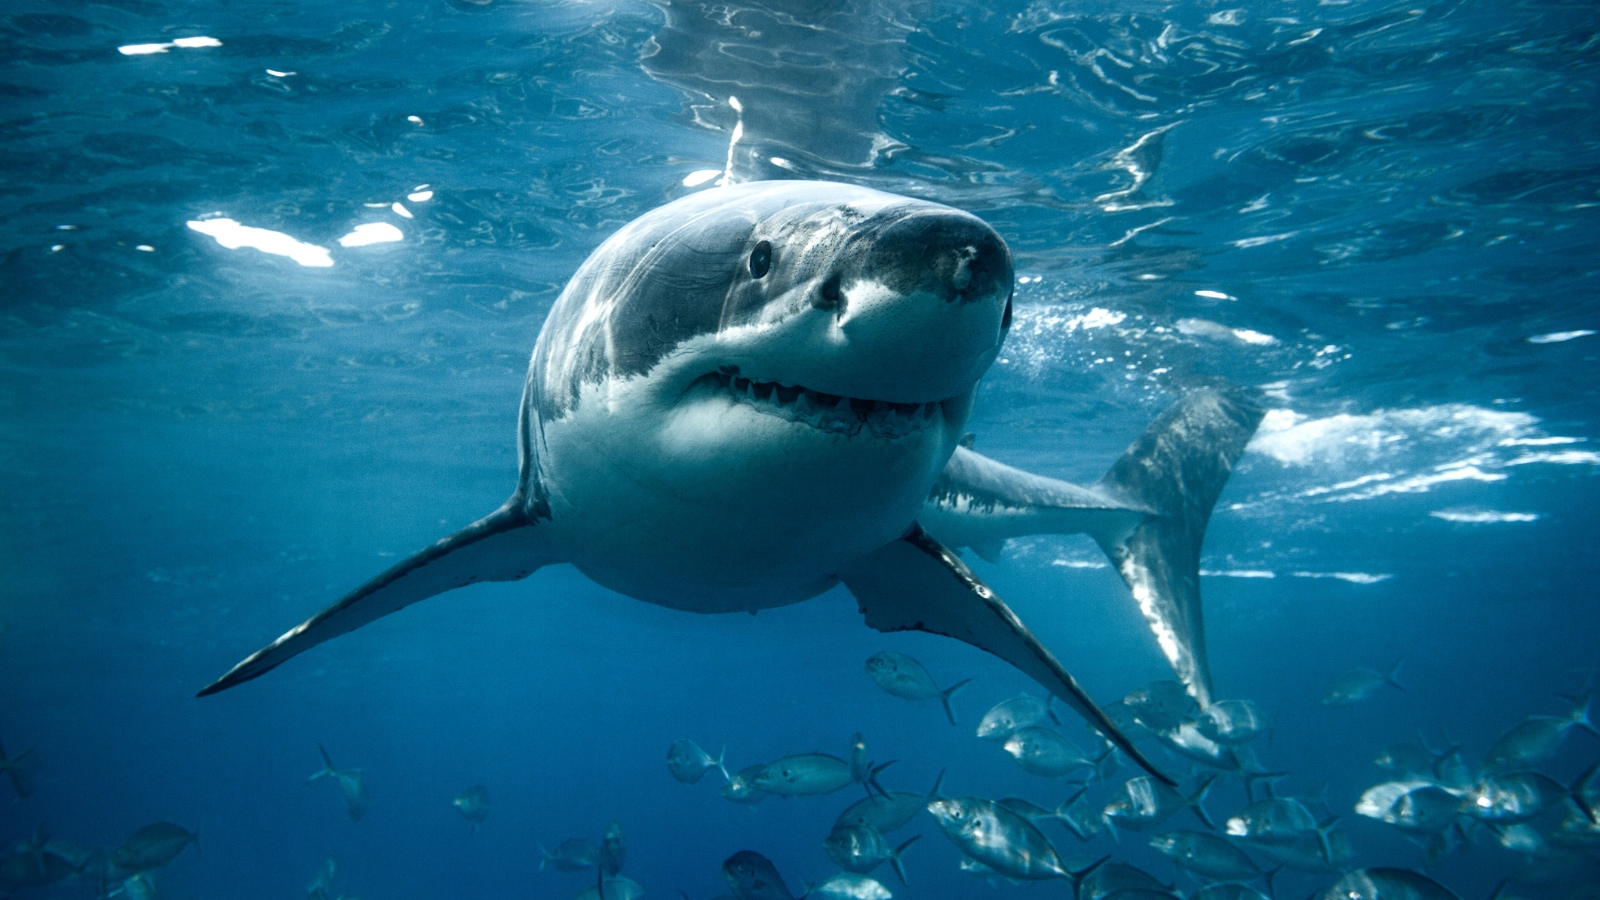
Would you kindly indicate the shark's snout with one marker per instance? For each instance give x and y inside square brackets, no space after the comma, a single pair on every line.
[951,257]
[923,300]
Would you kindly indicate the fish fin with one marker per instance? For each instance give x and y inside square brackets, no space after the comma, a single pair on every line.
[1270,876]
[1499,889]
[21,779]
[503,546]
[1579,716]
[1394,671]
[1111,826]
[989,551]
[1250,779]
[871,781]
[937,783]
[327,766]
[1049,708]
[1177,469]
[1198,801]
[916,584]
[1325,828]
[722,764]
[1576,792]
[949,692]
[1078,875]
[894,857]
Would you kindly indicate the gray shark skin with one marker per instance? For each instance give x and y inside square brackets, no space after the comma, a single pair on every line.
[758,392]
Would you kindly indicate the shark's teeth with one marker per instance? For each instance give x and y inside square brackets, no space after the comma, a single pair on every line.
[823,411]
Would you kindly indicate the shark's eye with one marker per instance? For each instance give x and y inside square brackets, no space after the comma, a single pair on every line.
[760,259]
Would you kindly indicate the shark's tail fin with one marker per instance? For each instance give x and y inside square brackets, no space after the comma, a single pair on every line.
[949,692]
[1176,471]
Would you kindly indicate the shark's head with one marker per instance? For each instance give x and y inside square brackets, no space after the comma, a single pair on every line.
[776,343]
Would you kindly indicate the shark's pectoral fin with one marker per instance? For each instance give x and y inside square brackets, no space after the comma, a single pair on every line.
[503,546]
[916,584]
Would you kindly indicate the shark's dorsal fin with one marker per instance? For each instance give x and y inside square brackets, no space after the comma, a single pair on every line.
[503,546]
[916,584]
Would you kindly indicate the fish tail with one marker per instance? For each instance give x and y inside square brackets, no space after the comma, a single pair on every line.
[1111,826]
[1197,802]
[1175,471]
[894,857]
[871,780]
[1268,877]
[1575,791]
[327,765]
[949,692]
[722,766]
[544,857]
[1078,875]
[1579,716]
[1323,830]
[1250,779]
[1394,671]
[1050,708]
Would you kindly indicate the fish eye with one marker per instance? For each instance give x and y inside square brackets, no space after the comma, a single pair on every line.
[760,259]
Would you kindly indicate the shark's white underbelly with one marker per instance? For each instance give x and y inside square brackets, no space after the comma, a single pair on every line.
[718,507]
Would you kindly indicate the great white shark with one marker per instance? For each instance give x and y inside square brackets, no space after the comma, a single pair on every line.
[755,393]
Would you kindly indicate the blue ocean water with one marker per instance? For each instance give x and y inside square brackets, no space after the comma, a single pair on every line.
[1382,216]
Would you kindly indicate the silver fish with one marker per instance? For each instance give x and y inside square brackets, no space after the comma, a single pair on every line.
[888,812]
[352,786]
[572,855]
[616,887]
[906,678]
[153,846]
[473,804]
[1520,796]
[1387,884]
[1414,806]
[741,786]
[688,763]
[861,849]
[1231,722]
[1277,820]
[850,886]
[19,769]
[1410,762]
[322,881]
[1206,855]
[1143,802]
[1000,839]
[1018,712]
[1046,752]
[1359,684]
[754,877]
[1113,878]
[806,774]
[1534,740]
[140,887]
[1160,705]
[1187,741]
[613,851]
[1228,892]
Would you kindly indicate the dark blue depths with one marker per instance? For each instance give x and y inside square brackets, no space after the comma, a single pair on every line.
[1382,215]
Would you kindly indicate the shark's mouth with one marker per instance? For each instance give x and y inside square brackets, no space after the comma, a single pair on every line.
[825,412]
